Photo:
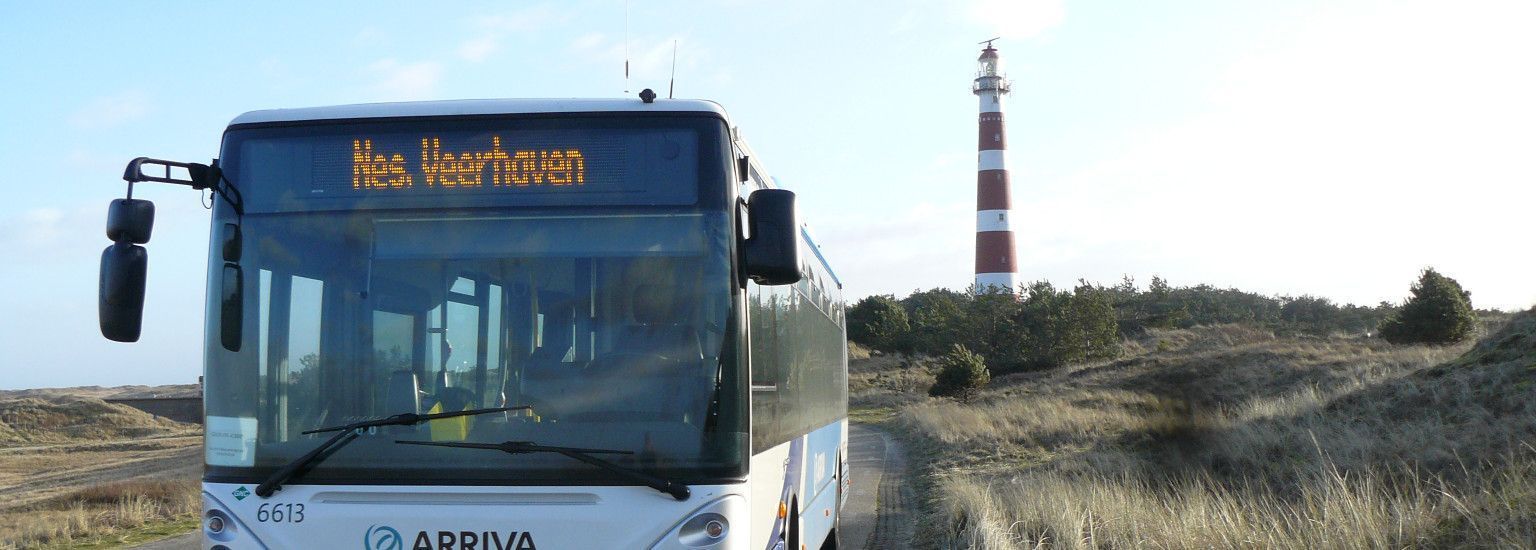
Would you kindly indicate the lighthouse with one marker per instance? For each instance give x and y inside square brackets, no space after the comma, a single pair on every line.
[995,265]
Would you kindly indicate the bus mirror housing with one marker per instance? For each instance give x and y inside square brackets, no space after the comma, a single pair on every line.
[231,306]
[130,220]
[120,293]
[771,256]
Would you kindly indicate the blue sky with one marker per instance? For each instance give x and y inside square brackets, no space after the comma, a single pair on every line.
[1279,147]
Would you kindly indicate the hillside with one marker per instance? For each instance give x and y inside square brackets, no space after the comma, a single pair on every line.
[76,470]
[27,420]
[114,392]
[1226,436]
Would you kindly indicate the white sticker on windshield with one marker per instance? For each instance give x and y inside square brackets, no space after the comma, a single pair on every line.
[231,441]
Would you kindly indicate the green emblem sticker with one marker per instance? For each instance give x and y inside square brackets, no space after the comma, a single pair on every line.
[241,493]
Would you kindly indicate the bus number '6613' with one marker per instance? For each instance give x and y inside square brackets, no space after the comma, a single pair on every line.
[280,513]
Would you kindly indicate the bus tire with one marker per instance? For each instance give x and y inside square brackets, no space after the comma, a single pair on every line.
[833,542]
[794,525]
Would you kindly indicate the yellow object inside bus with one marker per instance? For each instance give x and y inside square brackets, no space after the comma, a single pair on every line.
[448,429]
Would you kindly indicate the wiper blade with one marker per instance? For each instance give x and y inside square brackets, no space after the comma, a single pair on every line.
[274,482]
[678,491]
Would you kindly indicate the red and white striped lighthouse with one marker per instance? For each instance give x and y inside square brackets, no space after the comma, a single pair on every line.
[995,265]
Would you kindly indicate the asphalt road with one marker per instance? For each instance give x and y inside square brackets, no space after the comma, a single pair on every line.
[878,515]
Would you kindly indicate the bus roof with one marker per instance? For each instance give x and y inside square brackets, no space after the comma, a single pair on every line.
[477,107]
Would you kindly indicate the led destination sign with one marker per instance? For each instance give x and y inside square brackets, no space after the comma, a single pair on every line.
[466,163]
[495,167]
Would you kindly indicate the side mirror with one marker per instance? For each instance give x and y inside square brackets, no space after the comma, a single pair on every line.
[772,255]
[120,293]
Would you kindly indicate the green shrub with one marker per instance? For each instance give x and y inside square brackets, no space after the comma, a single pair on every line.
[1439,312]
[937,318]
[961,374]
[880,322]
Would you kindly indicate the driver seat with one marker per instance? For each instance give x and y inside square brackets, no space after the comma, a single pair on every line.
[660,330]
[652,361]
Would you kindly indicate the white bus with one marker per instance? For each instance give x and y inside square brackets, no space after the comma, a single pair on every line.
[505,324]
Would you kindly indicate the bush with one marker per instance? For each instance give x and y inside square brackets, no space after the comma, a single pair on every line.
[880,322]
[1439,312]
[961,374]
[1051,327]
[937,319]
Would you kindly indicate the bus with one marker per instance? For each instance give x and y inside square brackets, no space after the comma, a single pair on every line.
[505,324]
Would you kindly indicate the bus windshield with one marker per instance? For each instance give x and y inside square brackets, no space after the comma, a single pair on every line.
[611,322]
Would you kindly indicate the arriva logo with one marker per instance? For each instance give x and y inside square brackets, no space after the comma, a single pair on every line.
[382,537]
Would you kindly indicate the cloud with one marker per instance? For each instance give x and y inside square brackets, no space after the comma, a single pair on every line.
[370,37]
[650,58]
[524,20]
[55,252]
[590,41]
[1015,19]
[109,111]
[493,30]
[394,80]
[1338,162]
[41,233]
[478,49]
[908,21]
[881,252]
[37,229]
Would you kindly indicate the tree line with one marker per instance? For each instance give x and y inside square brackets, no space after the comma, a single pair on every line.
[1045,326]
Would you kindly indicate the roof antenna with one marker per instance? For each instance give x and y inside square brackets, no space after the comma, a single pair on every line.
[626,47]
[673,82]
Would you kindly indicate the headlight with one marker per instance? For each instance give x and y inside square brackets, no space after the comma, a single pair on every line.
[221,528]
[709,527]
[703,530]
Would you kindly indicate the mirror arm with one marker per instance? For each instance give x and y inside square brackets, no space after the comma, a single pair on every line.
[199,176]
[238,202]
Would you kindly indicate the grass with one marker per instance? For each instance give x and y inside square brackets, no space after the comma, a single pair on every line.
[104,516]
[55,452]
[881,384]
[31,420]
[127,538]
[1229,436]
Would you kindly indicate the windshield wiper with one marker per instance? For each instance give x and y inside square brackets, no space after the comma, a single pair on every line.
[678,491]
[346,433]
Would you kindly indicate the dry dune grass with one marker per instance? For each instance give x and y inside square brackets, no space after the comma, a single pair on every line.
[57,455]
[1228,436]
[65,418]
[857,352]
[881,383]
[100,511]
[99,392]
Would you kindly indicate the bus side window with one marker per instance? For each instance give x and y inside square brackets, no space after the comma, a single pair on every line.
[765,381]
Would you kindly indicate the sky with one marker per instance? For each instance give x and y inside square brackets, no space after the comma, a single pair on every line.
[1330,148]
